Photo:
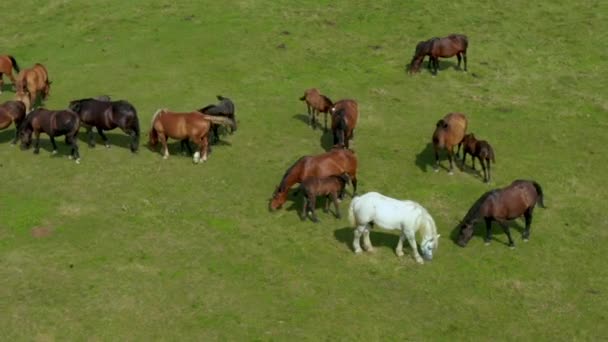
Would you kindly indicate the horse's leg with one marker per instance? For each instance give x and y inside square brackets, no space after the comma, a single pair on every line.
[488,230]
[353,181]
[459,58]
[103,137]
[358,232]
[74,153]
[90,138]
[483,167]
[528,218]
[435,65]
[326,205]
[436,168]
[488,166]
[304,207]
[334,197]
[450,155]
[473,157]
[367,243]
[325,129]
[2,83]
[216,133]
[312,201]
[505,227]
[399,248]
[52,138]
[36,142]
[411,238]
[163,141]
[464,57]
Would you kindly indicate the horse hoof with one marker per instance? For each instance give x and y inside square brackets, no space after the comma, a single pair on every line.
[451,173]
[512,247]
[435,170]
[399,253]
[165,157]
[370,249]
[78,161]
[358,251]
[525,239]
[420,261]
[487,243]
[107,145]
[54,152]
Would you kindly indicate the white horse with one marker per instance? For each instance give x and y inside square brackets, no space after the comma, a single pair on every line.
[389,213]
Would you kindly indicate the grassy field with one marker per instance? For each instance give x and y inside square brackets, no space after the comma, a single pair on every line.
[133,247]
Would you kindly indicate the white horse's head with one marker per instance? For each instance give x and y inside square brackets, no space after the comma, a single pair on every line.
[428,246]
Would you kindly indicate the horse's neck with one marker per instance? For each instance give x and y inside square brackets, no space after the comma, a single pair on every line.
[290,179]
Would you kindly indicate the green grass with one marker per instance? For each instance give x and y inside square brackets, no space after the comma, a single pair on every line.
[144,248]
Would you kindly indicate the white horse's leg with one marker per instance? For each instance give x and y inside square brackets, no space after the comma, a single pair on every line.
[411,238]
[367,243]
[399,248]
[358,232]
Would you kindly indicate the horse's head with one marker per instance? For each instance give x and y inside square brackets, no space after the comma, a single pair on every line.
[465,234]
[25,134]
[278,199]
[428,246]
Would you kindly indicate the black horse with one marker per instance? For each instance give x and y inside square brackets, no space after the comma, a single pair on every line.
[224,108]
[54,123]
[107,115]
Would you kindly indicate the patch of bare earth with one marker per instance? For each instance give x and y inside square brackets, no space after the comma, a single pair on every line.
[42,232]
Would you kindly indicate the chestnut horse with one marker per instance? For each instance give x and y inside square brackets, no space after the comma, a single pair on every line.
[344,115]
[12,112]
[448,133]
[224,108]
[33,83]
[502,205]
[194,126]
[481,150]
[7,64]
[454,44]
[316,103]
[107,115]
[332,186]
[54,123]
[334,162]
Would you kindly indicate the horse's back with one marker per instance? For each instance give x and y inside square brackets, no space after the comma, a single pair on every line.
[457,124]
[387,212]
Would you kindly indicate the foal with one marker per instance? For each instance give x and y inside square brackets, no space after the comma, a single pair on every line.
[316,103]
[12,112]
[481,150]
[331,186]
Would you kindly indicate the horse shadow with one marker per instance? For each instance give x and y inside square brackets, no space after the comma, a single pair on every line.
[426,157]
[114,139]
[379,239]
[302,117]
[479,231]
[327,140]
[444,64]
[8,87]
[8,135]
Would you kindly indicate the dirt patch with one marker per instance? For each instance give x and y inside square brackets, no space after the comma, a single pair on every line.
[42,232]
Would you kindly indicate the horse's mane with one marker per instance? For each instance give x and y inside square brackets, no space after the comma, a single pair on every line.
[473,213]
[327,99]
[282,184]
[442,124]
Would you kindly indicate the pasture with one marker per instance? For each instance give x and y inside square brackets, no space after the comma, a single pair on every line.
[136,247]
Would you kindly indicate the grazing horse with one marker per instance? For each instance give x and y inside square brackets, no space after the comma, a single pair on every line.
[334,162]
[481,150]
[406,216]
[12,112]
[107,115]
[316,103]
[32,84]
[7,64]
[344,115]
[224,108]
[331,186]
[454,44]
[194,126]
[502,205]
[54,123]
[449,132]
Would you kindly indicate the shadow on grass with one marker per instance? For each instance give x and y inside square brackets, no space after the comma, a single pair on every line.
[444,64]
[327,140]
[479,231]
[114,139]
[426,158]
[8,135]
[7,87]
[378,238]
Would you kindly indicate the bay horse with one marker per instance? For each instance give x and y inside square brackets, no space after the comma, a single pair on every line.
[481,150]
[330,187]
[502,205]
[7,64]
[449,132]
[54,123]
[33,84]
[12,112]
[334,162]
[224,108]
[316,103]
[445,47]
[344,116]
[408,217]
[107,115]
[194,126]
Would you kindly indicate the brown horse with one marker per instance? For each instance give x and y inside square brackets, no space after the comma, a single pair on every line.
[32,84]
[502,205]
[454,44]
[12,112]
[334,162]
[194,126]
[449,132]
[54,123]
[316,103]
[332,186]
[481,150]
[344,116]
[7,64]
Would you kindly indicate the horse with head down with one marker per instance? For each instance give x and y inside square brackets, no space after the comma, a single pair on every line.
[107,115]
[454,44]
[33,84]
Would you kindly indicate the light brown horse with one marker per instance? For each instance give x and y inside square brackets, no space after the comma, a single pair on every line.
[194,126]
[12,112]
[33,83]
[449,132]
[344,116]
[7,64]
[502,205]
[481,150]
[454,44]
[316,103]
[332,163]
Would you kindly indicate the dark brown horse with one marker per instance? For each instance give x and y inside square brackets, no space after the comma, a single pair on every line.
[481,150]
[449,132]
[107,115]
[7,64]
[330,187]
[33,84]
[344,116]
[224,108]
[194,126]
[454,44]
[334,162]
[316,103]
[54,123]
[502,205]
[12,112]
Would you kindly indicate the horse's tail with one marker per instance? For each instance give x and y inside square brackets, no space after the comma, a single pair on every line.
[539,191]
[156,114]
[351,211]
[221,120]
[491,150]
[15,66]
[303,98]
[153,135]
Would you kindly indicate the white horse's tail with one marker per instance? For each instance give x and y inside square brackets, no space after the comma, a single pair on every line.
[351,211]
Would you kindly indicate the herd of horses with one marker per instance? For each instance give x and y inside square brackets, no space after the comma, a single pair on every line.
[326,174]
